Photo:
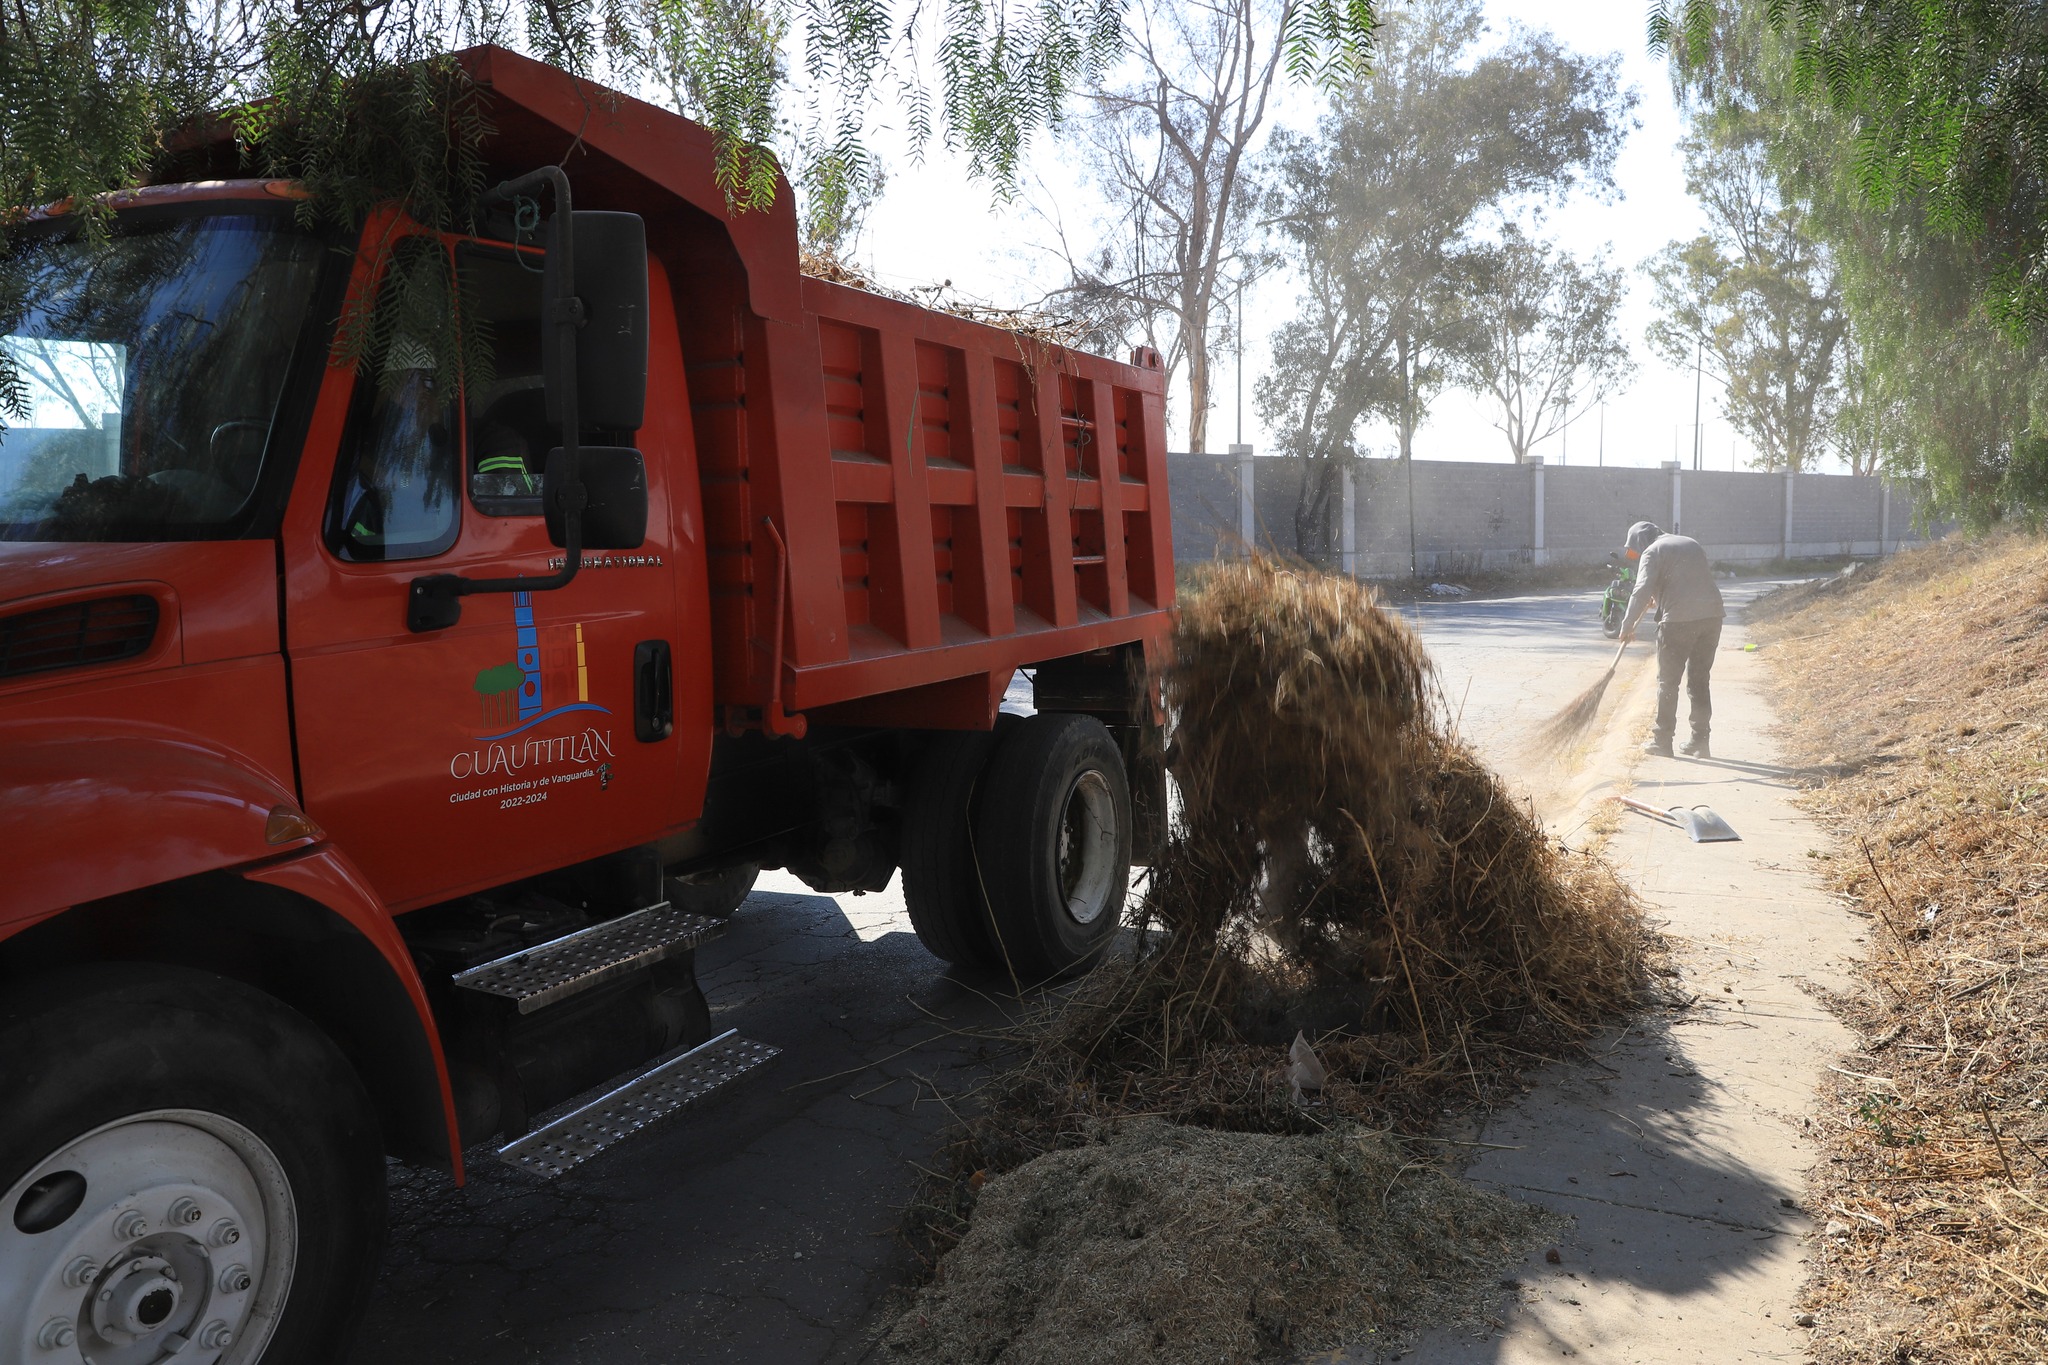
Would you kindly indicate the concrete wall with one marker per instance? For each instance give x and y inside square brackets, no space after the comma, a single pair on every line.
[1473,517]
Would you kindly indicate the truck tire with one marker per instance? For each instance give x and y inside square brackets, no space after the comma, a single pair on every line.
[184,1157]
[1053,832]
[941,884]
[718,894]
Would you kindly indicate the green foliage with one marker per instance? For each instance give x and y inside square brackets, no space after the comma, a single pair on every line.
[1912,140]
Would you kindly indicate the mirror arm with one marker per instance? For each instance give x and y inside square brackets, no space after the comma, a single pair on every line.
[435,601]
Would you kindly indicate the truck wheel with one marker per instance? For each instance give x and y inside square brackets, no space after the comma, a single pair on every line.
[717,894]
[1054,837]
[941,884]
[191,1172]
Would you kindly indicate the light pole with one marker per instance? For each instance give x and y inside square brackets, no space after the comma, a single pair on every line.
[1698,371]
[1237,325]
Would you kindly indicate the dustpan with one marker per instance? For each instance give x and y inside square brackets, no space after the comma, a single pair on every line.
[1702,824]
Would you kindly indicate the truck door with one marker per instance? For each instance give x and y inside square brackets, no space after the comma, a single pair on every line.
[452,760]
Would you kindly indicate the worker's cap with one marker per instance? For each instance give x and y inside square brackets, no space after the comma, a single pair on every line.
[1641,536]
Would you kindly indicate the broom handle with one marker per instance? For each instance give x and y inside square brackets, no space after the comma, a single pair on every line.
[1617,657]
[1648,809]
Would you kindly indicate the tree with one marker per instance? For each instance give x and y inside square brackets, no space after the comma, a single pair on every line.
[361,100]
[1542,337]
[1171,150]
[1765,297]
[1381,214]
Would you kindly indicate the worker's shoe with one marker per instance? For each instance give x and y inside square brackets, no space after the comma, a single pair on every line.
[1659,747]
[1696,747]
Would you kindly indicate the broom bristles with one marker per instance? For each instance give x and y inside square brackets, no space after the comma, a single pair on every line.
[1565,728]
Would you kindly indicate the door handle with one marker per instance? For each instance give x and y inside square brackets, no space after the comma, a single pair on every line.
[654,702]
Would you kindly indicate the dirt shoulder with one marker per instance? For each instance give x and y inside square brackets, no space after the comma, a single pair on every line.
[1916,691]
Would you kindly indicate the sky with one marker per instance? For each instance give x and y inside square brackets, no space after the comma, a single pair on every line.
[932,224]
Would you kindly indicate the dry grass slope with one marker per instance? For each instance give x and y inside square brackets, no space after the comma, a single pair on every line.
[1921,688]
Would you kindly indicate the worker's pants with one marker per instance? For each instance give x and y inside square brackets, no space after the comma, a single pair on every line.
[1685,649]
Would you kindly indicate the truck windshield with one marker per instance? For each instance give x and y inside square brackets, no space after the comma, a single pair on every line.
[149,368]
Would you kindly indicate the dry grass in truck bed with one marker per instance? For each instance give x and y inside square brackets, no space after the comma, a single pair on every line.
[1342,867]
[1920,689]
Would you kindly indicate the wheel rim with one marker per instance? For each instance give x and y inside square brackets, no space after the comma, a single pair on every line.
[1086,859]
[167,1235]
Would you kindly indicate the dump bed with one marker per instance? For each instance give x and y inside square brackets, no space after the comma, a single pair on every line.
[930,504]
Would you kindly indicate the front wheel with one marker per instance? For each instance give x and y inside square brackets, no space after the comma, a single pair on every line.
[1611,612]
[192,1173]
[1053,833]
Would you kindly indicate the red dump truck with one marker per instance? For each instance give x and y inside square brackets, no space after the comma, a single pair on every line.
[378,742]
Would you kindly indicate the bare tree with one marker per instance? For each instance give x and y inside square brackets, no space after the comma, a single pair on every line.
[1172,150]
[1542,337]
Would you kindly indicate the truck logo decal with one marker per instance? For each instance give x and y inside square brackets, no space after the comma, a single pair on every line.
[548,665]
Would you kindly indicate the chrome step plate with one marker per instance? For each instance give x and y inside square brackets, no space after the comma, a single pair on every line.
[534,978]
[582,1133]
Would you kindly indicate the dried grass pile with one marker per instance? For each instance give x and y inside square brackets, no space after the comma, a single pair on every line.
[1341,866]
[1919,689]
[1161,1243]
[1336,837]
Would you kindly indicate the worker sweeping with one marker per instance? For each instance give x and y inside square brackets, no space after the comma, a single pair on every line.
[1673,572]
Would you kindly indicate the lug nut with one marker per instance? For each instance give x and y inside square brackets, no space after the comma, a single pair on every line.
[79,1273]
[56,1334]
[215,1336]
[129,1225]
[224,1233]
[235,1279]
[184,1209]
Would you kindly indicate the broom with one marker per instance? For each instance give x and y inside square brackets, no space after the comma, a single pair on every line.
[1563,730]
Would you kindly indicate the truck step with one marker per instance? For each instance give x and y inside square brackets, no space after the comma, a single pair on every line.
[582,1133]
[534,978]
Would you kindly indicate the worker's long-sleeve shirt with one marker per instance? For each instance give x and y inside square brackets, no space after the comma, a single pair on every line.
[1675,574]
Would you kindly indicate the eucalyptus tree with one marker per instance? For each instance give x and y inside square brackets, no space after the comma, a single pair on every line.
[1542,337]
[1760,293]
[1383,215]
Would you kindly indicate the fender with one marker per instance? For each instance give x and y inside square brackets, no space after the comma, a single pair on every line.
[324,874]
[84,817]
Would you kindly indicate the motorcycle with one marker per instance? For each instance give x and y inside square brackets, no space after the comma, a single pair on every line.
[1614,602]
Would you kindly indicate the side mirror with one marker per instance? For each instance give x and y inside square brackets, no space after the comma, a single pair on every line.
[615,488]
[610,276]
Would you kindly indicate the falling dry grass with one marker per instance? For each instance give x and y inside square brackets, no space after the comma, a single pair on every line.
[1921,688]
[1342,866]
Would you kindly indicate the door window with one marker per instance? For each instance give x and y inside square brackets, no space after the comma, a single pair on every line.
[395,491]
[509,432]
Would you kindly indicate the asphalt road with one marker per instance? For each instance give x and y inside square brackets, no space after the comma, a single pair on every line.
[760,1226]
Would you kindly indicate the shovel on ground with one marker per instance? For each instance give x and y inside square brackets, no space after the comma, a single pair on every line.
[1702,824]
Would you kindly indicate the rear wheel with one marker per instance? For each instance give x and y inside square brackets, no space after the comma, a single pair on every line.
[941,881]
[1053,832]
[192,1172]
[1612,609]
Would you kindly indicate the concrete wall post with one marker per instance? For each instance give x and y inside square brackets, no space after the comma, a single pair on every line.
[1536,554]
[1785,550]
[1349,531]
[1884,516]
[1247,519]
